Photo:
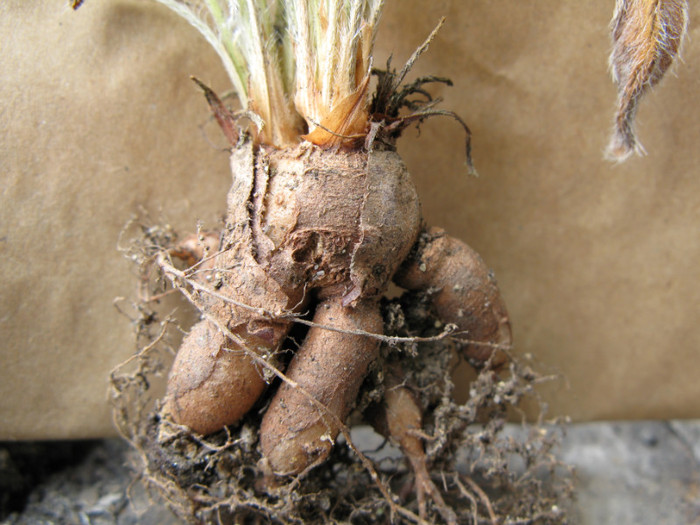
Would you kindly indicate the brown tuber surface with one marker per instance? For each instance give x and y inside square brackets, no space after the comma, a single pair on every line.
[466,294]
[248,438]
[322,215]
[303,225]
[330,366]
[310,229]
[400,419]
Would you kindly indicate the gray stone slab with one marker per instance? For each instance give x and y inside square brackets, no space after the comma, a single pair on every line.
[635,473]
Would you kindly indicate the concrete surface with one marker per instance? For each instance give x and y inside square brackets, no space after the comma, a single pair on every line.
[636,473]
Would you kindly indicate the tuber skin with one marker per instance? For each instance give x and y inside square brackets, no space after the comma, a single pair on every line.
[294,433]
[208,363]
[303,226]
[466,295]
[309,229]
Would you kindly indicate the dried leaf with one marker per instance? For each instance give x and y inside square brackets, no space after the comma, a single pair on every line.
[223,116]
[346,121]
[647,36]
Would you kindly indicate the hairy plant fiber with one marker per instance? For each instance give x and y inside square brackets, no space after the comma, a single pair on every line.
[647,36]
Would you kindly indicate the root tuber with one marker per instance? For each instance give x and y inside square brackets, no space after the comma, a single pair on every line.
[466,294]
[400,419]
[207,365]
[330,366]
[301,223]
[308,226]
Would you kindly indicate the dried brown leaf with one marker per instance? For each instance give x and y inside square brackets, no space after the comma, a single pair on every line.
[347,120]
[647,36]
[223,116]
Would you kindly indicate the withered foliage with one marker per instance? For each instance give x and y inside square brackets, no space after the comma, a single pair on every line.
[647,36]
[487,471]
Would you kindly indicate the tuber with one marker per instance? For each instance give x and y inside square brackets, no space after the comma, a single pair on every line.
[303,226]
[324,230]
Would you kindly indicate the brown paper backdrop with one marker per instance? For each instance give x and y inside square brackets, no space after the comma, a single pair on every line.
[597,261]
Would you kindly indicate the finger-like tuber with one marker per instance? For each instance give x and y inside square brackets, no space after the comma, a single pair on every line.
[466,294]
[330,366]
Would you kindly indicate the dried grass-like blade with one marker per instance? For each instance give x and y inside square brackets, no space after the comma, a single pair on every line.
[347,120]
[647,36]
[417,53]
[224,117]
